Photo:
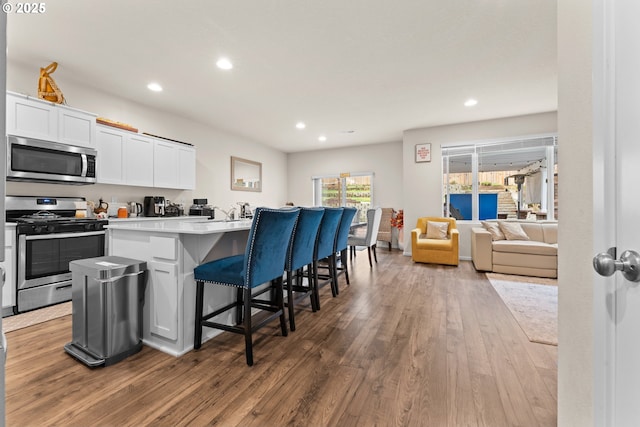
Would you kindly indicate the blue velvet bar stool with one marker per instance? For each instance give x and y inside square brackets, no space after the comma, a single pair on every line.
[325,250]
[263,262]
[300,255]
[341,246]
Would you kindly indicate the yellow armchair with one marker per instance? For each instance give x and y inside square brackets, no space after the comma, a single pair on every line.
[435,251]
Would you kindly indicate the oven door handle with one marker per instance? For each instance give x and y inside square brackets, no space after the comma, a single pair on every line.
[63,235]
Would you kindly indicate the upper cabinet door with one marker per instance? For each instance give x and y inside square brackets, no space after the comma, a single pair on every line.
[31,118]
[76,127]
[187,167]
[138,161]
[110,144]
[165,164]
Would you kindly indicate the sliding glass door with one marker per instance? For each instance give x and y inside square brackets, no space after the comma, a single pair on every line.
[354,190]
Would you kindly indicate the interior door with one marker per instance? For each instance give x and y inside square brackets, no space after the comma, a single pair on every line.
[3,173]
[616,211]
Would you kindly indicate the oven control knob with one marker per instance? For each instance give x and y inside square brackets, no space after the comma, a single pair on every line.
[38,229]
[51,229]
[88,226]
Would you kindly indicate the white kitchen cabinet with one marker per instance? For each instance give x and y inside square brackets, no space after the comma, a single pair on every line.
[76,127]
[186,167]
[165,164]
[138,160]
[36,118]
[164,299]
[124,157]
[31,118]
[9,265]
[128,158]
[110,144]
[174,165]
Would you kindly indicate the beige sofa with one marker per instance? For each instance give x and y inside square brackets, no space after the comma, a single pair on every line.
[537,256]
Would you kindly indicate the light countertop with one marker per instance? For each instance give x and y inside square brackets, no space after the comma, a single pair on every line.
[160,218]
[181,227]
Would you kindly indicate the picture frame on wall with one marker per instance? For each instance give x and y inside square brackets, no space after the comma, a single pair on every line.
[423,153]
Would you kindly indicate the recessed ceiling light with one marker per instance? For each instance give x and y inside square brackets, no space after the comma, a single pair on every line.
[470,102]
[154,87]
[322,138]
[301,125]
[224,64]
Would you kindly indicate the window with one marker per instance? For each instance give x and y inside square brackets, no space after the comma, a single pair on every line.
[354,190]
[501,179]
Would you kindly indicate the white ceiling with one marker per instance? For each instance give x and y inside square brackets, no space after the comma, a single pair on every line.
[376,67]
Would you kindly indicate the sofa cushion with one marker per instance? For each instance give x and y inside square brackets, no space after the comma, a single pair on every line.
[494,229]
[437,230]
[512,230]
[525,247]
[434,244]
[524,260]
[533,230]
[550,232]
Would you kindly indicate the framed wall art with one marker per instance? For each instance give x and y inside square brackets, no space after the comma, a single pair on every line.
[423,153]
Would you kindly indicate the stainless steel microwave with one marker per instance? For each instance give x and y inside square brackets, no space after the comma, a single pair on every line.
[45,161]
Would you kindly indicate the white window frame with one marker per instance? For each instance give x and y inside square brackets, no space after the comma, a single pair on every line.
[317,187]
[472,148]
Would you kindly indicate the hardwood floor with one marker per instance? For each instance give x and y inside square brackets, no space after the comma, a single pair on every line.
[406,344]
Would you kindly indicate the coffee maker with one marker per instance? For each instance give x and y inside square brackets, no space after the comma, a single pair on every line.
[154,205]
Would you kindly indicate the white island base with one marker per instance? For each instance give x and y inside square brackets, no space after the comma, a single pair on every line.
[172,250]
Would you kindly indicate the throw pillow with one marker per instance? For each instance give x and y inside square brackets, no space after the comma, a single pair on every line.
[513,231]
[494,229]
[437,230]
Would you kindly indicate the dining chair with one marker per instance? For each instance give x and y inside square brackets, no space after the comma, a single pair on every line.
[368,237]
[384,232]
[299,256]
[325,250]
[262,262]
[341,245]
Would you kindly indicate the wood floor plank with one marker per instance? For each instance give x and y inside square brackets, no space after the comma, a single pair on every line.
[404,345]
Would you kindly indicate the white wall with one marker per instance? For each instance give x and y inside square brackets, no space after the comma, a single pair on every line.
[422,181]
[214,149]
[575,230]
[384,160]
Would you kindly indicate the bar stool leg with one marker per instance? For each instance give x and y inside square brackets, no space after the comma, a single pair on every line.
[280,304]
[197,338]
[292,321]
[316,292]
[343,260]
[333,268]
[239,306]
[247,327]
[312,286]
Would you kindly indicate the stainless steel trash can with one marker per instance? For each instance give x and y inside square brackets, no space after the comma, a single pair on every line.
[107,294]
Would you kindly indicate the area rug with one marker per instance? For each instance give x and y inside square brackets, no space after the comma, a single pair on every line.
[533,302]
[19,321]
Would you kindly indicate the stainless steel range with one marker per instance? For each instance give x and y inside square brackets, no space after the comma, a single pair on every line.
[49,236]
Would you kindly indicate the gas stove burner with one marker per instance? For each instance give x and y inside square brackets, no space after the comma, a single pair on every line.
[41,215]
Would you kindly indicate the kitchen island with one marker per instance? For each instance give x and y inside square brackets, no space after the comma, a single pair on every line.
[172,249]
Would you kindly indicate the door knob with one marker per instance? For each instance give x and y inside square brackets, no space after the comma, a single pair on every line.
[629,263]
